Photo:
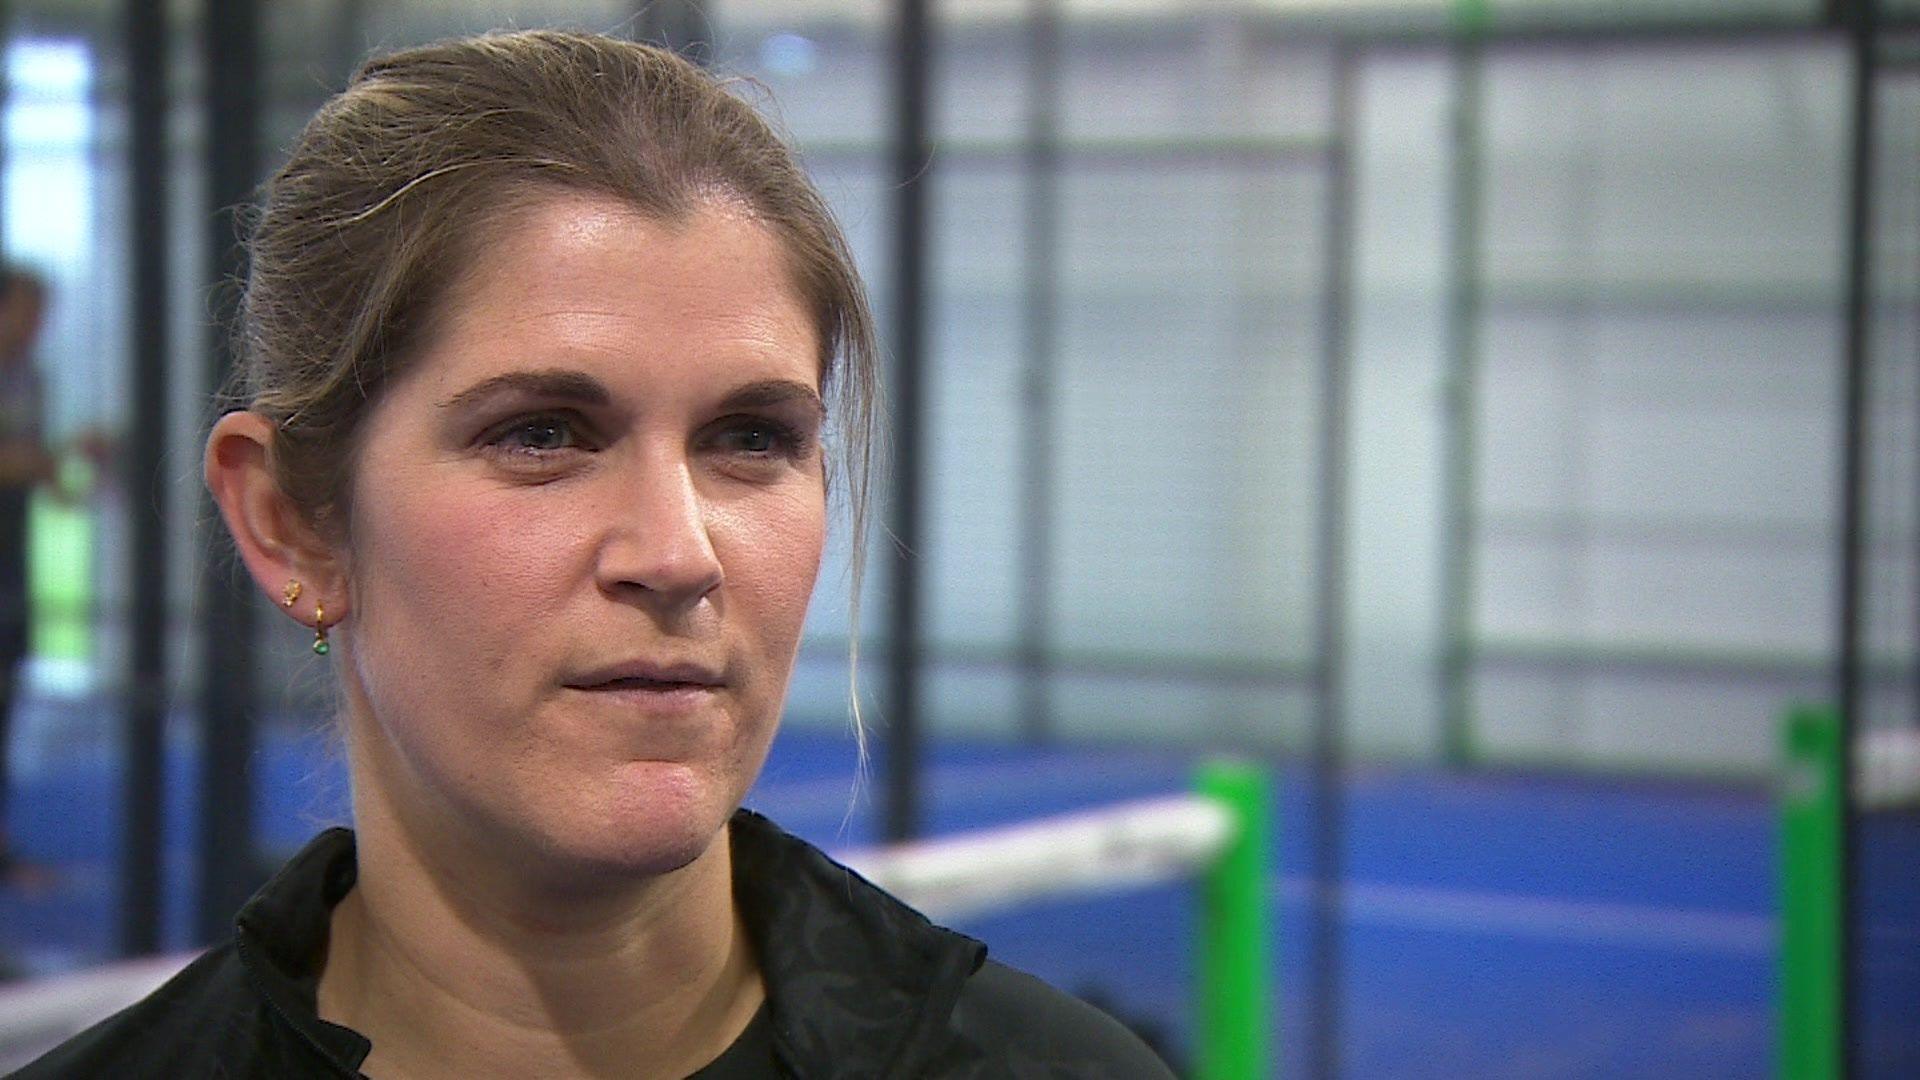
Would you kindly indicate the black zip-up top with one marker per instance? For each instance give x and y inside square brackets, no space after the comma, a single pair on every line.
[858,986]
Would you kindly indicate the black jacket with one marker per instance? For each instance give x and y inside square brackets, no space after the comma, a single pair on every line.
[858,985]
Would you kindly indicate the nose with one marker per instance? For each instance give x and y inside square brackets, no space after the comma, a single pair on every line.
[659,545]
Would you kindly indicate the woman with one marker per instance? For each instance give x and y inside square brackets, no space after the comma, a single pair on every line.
[541,336]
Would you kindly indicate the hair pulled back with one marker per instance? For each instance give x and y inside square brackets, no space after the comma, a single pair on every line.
[395,182]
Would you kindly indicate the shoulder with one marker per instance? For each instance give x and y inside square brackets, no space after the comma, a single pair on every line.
[1022,1027]
[180,1029]
[863,985]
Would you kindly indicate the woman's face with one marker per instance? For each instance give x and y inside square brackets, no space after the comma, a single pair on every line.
[586,523]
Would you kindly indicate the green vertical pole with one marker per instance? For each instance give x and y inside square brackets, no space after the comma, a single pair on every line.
[1811,965]
[1234,954]
[60,570]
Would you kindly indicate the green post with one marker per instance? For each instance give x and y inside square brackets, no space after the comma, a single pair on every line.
[60,577]
[1810,897]
[1234,951]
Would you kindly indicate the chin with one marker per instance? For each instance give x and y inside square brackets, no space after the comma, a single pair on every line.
[648,828]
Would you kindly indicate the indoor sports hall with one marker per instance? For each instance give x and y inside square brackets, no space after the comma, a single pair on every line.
[1397,554]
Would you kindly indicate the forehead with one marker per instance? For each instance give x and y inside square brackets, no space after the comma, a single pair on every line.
[588,281]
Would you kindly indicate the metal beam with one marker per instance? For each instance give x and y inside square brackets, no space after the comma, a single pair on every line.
[680,25]
[1854,484]
[6,84]
[349,44]
[1329,750]
[912,158]
[1509,34]
[144,26]
[231,83]
[1041,325]
[1465,301]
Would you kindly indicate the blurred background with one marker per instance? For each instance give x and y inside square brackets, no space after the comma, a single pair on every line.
[1494,417]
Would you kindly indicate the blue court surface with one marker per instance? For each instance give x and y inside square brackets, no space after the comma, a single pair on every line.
[1495,925]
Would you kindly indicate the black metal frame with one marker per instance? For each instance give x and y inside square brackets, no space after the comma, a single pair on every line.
[1462,361]
[348,47]
[1911,66]
[1041,345]
[230,53]
[912,164]
[680,25]
[1329,750]
[145,26]
[1857,350]
[6,85]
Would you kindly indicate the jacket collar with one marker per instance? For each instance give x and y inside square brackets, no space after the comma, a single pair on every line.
[280,937]
[858,983]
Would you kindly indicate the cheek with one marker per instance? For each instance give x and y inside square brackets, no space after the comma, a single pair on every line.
[446,577]
[773,560]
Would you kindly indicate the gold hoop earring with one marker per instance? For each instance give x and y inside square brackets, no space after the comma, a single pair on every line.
[291,593]
[320,646]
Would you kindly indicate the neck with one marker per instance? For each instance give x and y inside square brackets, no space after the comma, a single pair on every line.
[483,971]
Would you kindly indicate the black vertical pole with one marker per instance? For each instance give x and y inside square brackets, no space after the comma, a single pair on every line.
[676,24]
[6,36]
[6,84]
[1042,329]
[349,40]
[912,152]
[1329,751]
[1461,406]
[145,27]
[1853,488]
[231,54]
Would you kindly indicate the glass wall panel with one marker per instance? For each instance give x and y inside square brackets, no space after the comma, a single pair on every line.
[1657,394]
[1190,355]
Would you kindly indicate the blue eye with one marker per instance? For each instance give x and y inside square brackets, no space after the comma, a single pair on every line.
[760,437]
[756,438]
[538,434]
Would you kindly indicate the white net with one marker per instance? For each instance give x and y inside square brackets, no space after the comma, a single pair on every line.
[1121,846]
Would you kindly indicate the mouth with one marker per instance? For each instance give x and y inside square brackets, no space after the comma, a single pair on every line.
[643,684]
[649,678]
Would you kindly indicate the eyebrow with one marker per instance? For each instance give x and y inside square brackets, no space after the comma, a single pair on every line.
[775,392]
[561,384]
[565,385]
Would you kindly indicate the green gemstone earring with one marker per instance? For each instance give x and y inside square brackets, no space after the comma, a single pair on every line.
[320,646]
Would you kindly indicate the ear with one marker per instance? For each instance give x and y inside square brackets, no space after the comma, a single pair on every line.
[276,543]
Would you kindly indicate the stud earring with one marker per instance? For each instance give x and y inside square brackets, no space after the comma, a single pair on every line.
[320,646]
[291,593]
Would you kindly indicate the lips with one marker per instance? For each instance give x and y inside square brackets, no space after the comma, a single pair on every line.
[649,675]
